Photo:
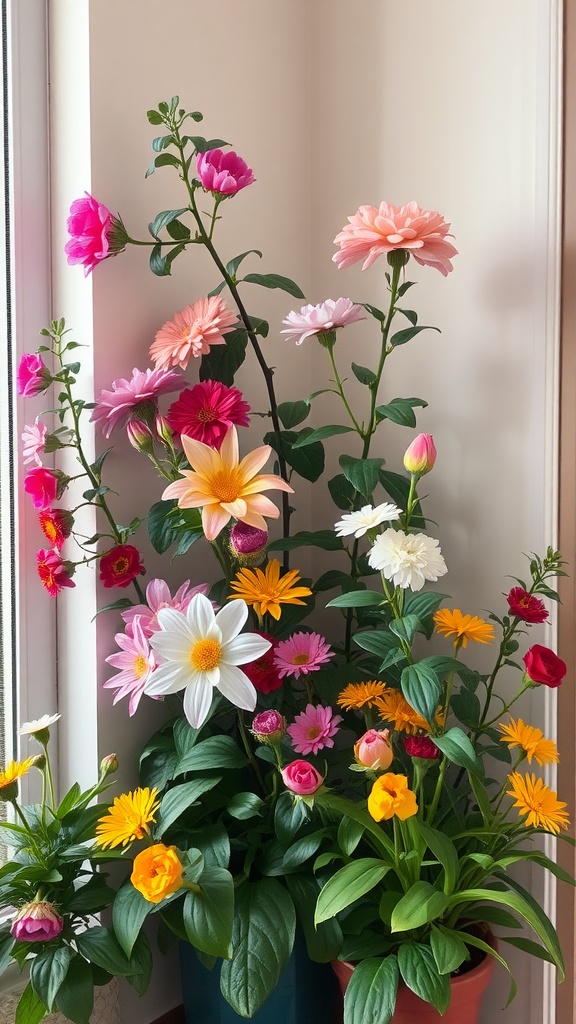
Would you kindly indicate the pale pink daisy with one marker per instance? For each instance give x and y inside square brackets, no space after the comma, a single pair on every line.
[158,596]
[375,231]
[326,316]
[136,662]
[34,437]
[313,729]
[130,398]
[192,332]
[300,654]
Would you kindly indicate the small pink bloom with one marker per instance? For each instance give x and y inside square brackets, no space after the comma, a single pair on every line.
[32,376]
[248,545]
[301,653]
[420,456]
[421,746]
[313,729]
[33,437]
[373,750]
[376,231]
[158,596]
[326,316]
[90,225]
[525,606]
[56,525]
[262,672]
[136,662]
[301,778]
[192,332]
[223,173]
[53,572]
[120,566]
[268,726]
[206,411]
[42,485]
[37,922]
[129,398]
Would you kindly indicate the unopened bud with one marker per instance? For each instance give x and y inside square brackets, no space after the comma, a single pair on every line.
[248,545]
[373,750]
[420,456]
[268,727]
[140,436]
[108,765]
[163,430]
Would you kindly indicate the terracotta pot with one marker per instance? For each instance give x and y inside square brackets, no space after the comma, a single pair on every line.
[465,1003]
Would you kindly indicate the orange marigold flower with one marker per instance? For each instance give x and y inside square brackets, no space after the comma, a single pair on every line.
[360,695]
[463,627]
[394,707]
[267,591]
[128,818]
[531,740]
[541,804]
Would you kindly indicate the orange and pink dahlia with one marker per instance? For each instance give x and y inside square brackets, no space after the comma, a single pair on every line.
[192,332]
[375,231]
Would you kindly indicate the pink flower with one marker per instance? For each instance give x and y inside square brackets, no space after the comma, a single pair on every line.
[248,545]
[268,726]
[42,485]
[313,729]
[37,922]
[326,316]
[192,332]
[90,226]
[56,525]
[32,376]
[53,572]
[120,566]
[373,750]
[421,746]
[420,456]
[206,411]
[136,662]
[133,397]
[33,437]
[223,173]
[301,778]
[262,672]
[373,232]
[301,653]
[158,596]
[526,606]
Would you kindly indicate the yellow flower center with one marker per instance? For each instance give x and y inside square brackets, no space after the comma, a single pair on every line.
[205,415]
[140,665]
[300,659]
[225,485]
[50,530]
[205,655]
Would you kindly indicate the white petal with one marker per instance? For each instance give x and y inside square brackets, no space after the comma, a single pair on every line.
[245,648]
[200,616]
[231,618]
[168,678]
[236,686]
[173,620]
[197,701]
[172,646]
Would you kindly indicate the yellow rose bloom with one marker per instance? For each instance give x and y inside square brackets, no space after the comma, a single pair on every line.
[157,872]
[391,797]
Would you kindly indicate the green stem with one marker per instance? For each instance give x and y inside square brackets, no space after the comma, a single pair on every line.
[29,832]
[340,387]
[50,779]
[437,792]
[249,754]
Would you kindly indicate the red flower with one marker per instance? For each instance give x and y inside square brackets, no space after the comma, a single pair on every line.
[543,666]
[263,673]
[525,606]
[56,524]
[206,411]
[42,485]
[120,566]
[421,746]
[32,376]
[54,573]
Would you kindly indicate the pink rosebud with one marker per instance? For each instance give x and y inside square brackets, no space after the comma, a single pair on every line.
[223,173]
[421,746]
[32,376]
[268,727]
[37,922]
[301,778]
[140,436]
[420,456]
[373,750]
[53,571]
[120,566]
[94,233]
[42,485]
[248,545]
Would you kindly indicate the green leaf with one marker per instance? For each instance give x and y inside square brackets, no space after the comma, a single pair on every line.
[401,337]
[262,940]
[371,993]
[421,688]
[323,942]
[161,142]
[445,852]
[342,492]
[377,641]
[302,849]
[357,599]
[129,911]
[421,904]
[324,539]
[75,997]
[478,788]
[401,411]
[48,971]
[208,914]
[161,263]
[405,628]
[141,961]
[293,413]
[69,801]
[178,231]
[348,885]
[100,946]
[473,940]
[398,488]
[420,974]
[309,463]
[458,749]
[160,527]
[363,474]
[492,915]
[448,949]
[162,219]
[276,281]
[331,579]
[527,946]
[211,753]
[6,945]
[363,374]
[30,1009]
[179,799]
[223,361]
[289,815]
[245,805]
[321,433]
[350,833]
[154,117]
[233,264]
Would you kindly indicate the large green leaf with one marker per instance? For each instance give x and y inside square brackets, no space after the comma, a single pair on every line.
[276,281]
[444,850]
[376,834]
[223,361]
[398,487]
[421,688]
[401,411]
[289,815]
[323,941]
[129,912]
[458,749]
[293,413]
[75,997]
[100,946]
[211,753]
[324,539]
[302,849]
[420,973]
[473,940]
[377,641]
[30,1009]
[371,993]
[421,904]
[357,599]
[348,885]
[141,961]
[448,949]
[178,799]
[401,337]
[208,914]
[321,433]
[363,474]
[48,971]
[307,462]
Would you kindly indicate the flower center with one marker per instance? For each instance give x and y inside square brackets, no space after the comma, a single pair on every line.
[313,732]
[301,659]
[225,486]
[205,415]
[50,530]
[140,665]
[120,566]
[205,655]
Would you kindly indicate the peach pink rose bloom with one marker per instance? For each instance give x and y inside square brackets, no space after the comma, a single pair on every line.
[192,332]
[375,231]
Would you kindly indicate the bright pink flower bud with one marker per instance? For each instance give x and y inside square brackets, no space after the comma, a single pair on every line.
[163,429]
[421,746]
[42,486]
[268,727]
[94,233]
[32,376]
[373,750]
[248,544]
[37,922]
[301,778]
[223,173]
[420,456]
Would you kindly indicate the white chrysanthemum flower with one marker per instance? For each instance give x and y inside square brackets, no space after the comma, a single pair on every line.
[201,650]
[367,518]
[407,559]
[31,728]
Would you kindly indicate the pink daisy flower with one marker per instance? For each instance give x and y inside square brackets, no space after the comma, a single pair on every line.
[33,437]
[313,729]
[192,332]
[326,316]
[136,662]
[158,596]
[128,398]
[206,411]
[300,654]
[375,231]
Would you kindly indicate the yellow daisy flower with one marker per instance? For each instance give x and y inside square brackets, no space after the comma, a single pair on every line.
[463,627]
[12,772]
[128,818]
[540,803]
[531,740]
[268,590]
[394,707]
[360,695]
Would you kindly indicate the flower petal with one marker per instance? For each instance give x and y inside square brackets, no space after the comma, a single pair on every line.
[236,686]
[167,678]
[198,701]
[214,519]
[245,648]
[231,618]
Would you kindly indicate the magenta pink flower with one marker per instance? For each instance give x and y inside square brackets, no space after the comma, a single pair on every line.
[523,605]
[301,653]
[56,525]
[38,921]
[192,332]
[121,565]
[248,545]
[223,173]
[90,226]
[136,662]
[313,729]
[133,397]
[33,436]
[158,596]
[326,316]
[32,376]
[268,726]
[302,778]
[53,572]
[421,746]
[42,485]
[262,672]
[375,231]
[206,411]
